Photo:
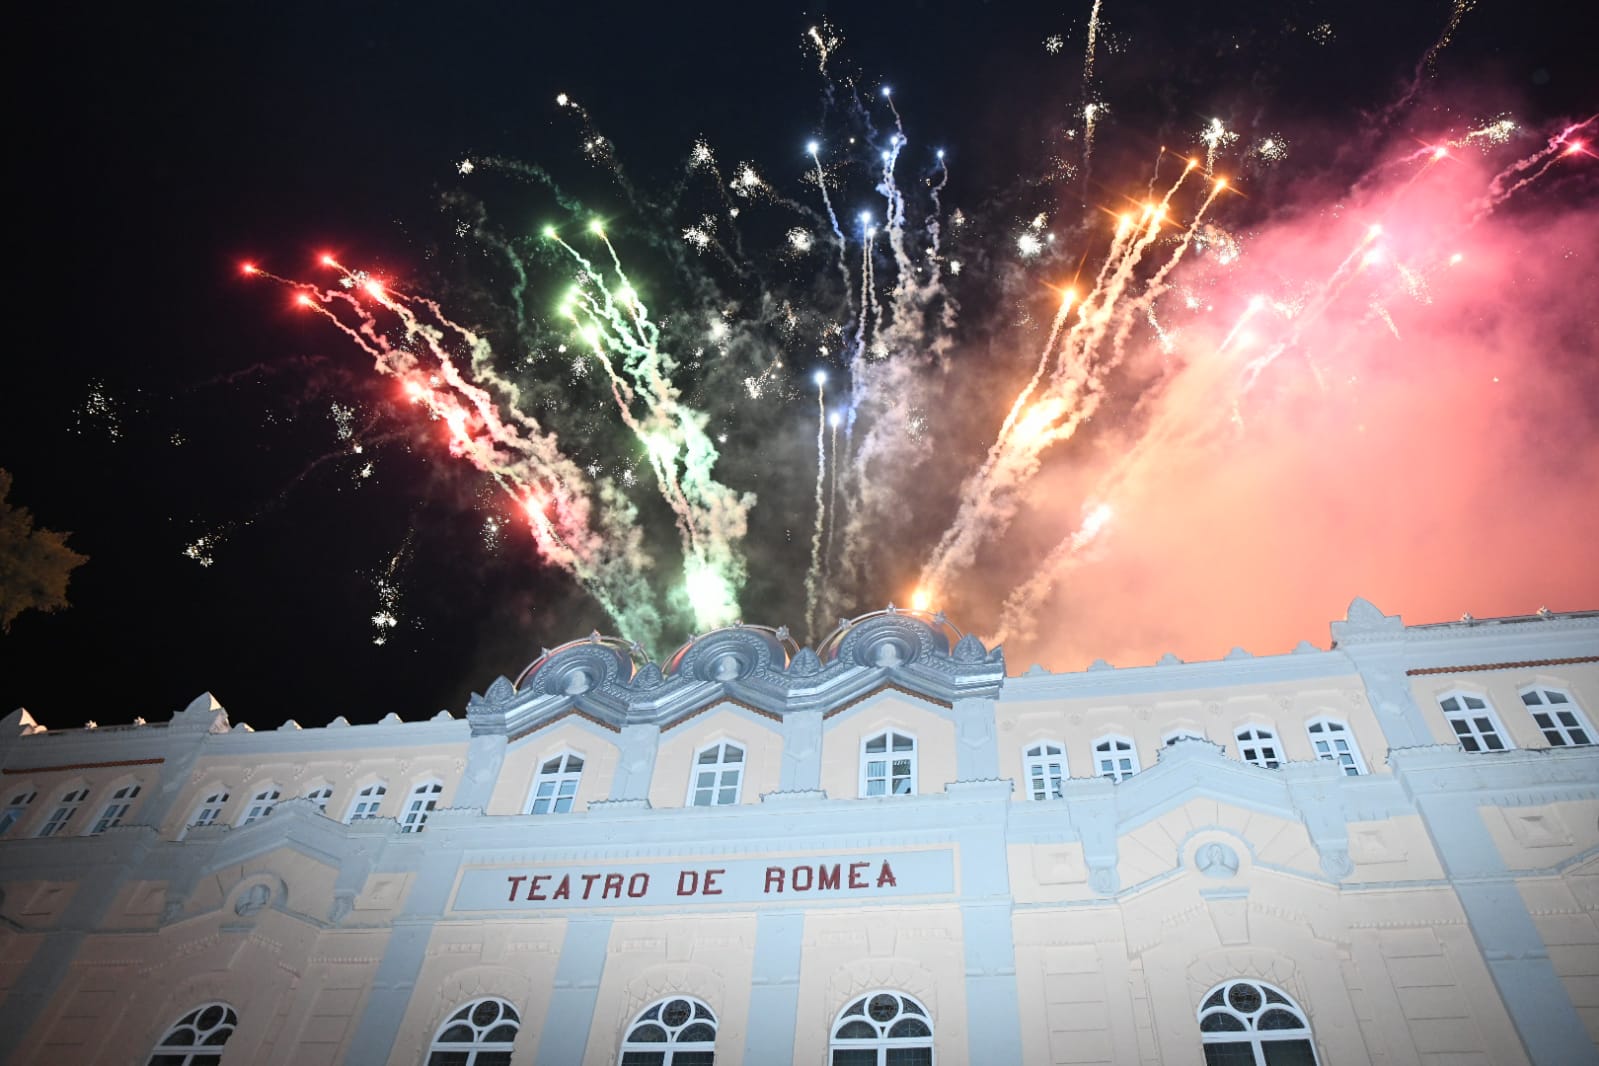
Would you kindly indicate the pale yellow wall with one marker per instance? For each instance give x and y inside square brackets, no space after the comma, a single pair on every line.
[674,759]
[1217,715]
[101,782]
[1393,849]
[1566,911]
[514,789]
[1503,689]
[842,736]
[710,958]
[850,952]
[513,960]
[295,774]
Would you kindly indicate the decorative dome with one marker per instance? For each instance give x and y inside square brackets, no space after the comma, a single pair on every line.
[733,652]
[580,665]
[889,637]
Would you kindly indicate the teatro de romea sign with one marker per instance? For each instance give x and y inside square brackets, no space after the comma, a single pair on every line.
[787,880]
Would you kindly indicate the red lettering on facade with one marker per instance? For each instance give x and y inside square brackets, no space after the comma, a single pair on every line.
[855,878]
[885,876]
[564,889]
[533,889]
[516,882]
[688,882]
[710,879]
[588,883]
[637,885]
[827,877]
[774,876]
[805,874]
[613,886]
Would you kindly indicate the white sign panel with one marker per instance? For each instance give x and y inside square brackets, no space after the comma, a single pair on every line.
[784,880]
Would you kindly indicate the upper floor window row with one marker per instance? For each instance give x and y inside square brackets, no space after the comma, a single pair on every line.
[1477,726]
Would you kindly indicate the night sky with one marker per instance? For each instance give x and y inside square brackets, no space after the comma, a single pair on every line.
[154,396]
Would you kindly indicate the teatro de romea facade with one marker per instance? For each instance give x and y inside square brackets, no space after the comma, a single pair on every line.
[879,851]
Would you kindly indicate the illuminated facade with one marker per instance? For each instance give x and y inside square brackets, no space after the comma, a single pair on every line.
[882,850]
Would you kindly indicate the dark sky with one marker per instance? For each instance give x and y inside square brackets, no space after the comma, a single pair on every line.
[152,396]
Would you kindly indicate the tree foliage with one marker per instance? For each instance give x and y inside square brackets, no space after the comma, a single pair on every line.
[35,564]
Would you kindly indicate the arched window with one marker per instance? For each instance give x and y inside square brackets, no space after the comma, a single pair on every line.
[65,809]
[424,798]
[718,776]
[680,1031]
[16,809]
[261,804]
[888,764]
[1333,741]
[882,1029]
[368,801]
[210,809]
[121,800]
[1046,769]
[1558,716]
[1249,1023]
[1258,745]
[555,788]
[1475,724]
[1115,758]
[197,1038]
[320,796]
[479,1034]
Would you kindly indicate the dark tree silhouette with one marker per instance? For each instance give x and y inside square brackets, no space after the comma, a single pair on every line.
[35,564]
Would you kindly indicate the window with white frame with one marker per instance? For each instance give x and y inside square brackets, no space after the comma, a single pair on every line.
[197,1038]
[718,775]
[424,798]
[1115,758]
[1045,764]
[1258,745]
[1333,741]
[65,808]
[479,1034]
[888,764]
[209,811]
[1558,716]
[320,796]
[1250,1023]
[368,801]
[882,1029]
[1475,724]
[1177,736]
[121,800]
[261,805]
[555,788]
[680,1031]
[16,808]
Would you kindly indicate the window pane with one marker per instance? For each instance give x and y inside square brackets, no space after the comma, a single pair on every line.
[1229,1055]
[909,1027]
[693,1058]
[1244,998]
[909,1056]
[856,1030]
[1278,1019]
[854,1058]
[903,743]
[448,1058]
[877,744]
[1556,697]
[648,1033]
[1289,1053]
[1221,1023]
[733,754]
[501,1034]
[707,756]
[492,1058]
[643,1058]
[698,1033]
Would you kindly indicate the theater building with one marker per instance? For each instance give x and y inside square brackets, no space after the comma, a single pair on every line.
[881,850]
